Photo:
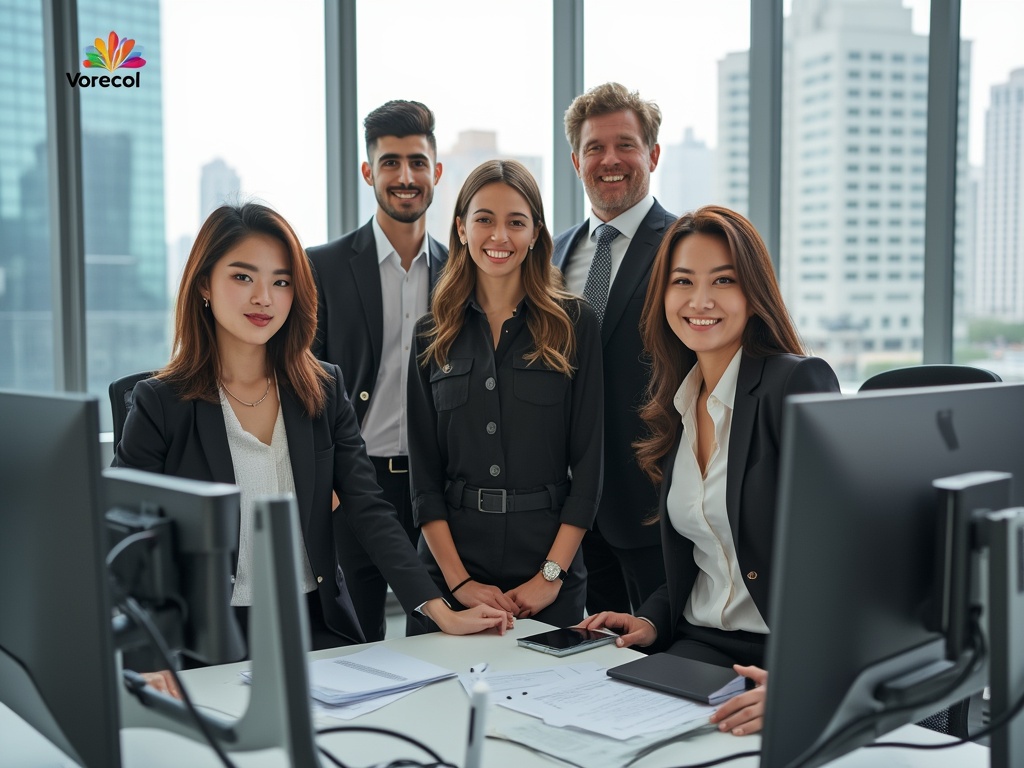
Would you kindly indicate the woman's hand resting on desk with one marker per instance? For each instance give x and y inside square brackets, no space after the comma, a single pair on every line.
[744,714]
[633,631]
[469,621]
[163,682]
[534,595]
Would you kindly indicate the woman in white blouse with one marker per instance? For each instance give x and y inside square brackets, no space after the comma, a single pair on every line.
[714,446]
[244,401]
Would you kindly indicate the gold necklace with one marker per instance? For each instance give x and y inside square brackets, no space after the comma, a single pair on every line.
[251,405]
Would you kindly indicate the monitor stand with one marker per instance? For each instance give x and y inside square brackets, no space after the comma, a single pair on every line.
[278,714]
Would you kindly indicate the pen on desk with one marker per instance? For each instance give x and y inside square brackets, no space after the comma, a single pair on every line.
[479,669]
[477,717]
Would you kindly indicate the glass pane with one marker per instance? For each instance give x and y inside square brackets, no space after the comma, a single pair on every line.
[487,104]
[855,95]
[695,75]
[26,319]
[196,127]
[990,288]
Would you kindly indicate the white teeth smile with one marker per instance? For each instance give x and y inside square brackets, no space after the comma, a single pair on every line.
[620,177]
[405,195]
[701,320]
[498,254]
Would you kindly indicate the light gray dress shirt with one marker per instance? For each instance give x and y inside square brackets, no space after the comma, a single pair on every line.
[627,222]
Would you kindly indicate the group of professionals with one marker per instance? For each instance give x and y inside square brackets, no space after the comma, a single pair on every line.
[582,429]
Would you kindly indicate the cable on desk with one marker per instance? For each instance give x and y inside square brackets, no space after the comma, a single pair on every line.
[439,762]
[139,614]
[723,760]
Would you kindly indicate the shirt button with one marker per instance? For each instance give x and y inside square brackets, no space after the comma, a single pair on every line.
[752,575]
[491,427]
[364,395]
[495,470]
[319,579]
[490,382]
[447,368]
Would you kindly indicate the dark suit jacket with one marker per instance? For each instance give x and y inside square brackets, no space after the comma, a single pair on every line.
[628,497]
[350,311]
[187,438]
[752,478]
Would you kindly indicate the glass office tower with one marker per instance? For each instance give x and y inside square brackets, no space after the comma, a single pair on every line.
[127,317]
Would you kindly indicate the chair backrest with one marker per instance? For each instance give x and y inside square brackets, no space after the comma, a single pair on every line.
[121,394]
[928,376]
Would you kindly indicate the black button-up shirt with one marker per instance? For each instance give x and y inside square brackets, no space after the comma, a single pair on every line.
[492,420]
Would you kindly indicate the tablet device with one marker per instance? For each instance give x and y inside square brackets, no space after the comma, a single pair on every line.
[697,680]
[567,641]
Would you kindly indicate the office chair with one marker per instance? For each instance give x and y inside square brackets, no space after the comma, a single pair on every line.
[928,376]
[967,716]
[121,393]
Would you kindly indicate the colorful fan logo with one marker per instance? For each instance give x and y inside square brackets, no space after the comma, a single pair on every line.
[114,54]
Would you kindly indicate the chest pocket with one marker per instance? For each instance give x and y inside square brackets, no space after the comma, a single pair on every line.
[537,383]
[450,383]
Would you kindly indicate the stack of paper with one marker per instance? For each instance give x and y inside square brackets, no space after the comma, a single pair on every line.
[371,674]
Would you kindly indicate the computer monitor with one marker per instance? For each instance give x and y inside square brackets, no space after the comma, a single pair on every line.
[57,667]
[183,575]
[854,591]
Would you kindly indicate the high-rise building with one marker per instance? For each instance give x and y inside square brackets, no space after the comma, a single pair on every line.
[218,184]
[686,174]
[855,96]
[999,268]
[127,319]
[731,156]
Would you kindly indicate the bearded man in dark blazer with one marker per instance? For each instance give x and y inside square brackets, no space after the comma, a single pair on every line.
[373,284]
[613,134]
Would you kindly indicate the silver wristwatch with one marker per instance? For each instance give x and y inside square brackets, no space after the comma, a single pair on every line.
[551,570]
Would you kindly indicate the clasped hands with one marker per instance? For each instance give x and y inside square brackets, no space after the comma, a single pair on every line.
[522,602]
[740,715]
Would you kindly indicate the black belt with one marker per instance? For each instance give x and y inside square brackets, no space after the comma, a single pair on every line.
[500,500]
[396,465]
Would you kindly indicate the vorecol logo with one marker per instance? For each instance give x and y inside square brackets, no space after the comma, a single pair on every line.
[112,55]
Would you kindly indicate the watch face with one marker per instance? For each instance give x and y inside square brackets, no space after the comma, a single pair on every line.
[550,570]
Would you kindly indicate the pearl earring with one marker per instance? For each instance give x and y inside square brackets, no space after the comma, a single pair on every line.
[206,303]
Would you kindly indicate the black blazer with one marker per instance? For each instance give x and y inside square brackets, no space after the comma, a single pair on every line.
[350,311]
[752,479]
[628,497]
[187,438]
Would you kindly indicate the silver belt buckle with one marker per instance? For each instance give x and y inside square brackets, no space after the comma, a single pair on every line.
[394,471]
[480,500]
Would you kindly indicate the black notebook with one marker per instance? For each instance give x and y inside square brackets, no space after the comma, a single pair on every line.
[698,680]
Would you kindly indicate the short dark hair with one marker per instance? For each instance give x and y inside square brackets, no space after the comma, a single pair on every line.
[399,118]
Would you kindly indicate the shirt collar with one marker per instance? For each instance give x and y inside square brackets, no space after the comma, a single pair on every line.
[725,391]
[627,222]
[385,248]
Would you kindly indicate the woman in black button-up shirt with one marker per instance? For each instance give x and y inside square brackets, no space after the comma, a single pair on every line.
[506,411]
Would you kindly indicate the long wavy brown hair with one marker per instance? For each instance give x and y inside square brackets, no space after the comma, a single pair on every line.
[195,366]
[769,331]
[547,320]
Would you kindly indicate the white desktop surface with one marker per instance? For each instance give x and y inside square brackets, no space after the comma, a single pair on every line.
[438,715]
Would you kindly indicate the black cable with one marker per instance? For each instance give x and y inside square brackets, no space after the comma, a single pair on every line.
[129,541]
[869,718]
[439,761]
[141,617]
[723,760]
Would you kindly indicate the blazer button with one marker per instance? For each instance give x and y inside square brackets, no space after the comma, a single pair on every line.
[319,579]
[752,575]
[489,383]
[364,395]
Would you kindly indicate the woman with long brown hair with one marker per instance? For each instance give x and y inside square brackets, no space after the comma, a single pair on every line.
[505,404]
[715,430]
[244,401]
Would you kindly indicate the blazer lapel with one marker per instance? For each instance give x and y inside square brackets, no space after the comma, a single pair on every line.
[366,274]
[214,438]
[435,264]
[300,452]
[635,265]
[741,435]
[560,258]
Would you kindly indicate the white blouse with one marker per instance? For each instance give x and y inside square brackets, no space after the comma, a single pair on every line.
[260,470]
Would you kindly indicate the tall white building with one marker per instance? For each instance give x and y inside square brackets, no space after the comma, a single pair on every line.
[686,173]
[218,184]
[999,272]
[855,96]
